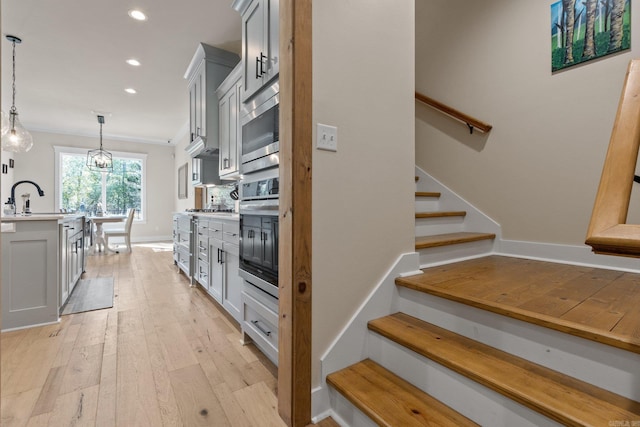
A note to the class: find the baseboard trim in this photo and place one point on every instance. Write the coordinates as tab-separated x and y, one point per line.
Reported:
565	254
349	344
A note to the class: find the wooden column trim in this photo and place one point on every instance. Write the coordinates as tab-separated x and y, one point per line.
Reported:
294	360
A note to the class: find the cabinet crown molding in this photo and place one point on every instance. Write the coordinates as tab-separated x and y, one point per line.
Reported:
240	5
211	54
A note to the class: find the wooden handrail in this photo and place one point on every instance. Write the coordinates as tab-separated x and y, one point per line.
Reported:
472	123
608	233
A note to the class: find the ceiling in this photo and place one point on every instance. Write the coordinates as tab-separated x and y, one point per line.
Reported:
71	66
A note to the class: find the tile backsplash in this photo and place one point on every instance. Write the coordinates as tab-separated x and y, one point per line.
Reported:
219	195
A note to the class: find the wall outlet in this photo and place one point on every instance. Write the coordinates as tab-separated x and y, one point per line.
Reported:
327	138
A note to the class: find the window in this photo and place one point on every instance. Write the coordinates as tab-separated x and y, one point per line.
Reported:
80	190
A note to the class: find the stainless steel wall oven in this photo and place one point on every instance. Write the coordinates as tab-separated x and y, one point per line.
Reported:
259	203
260	123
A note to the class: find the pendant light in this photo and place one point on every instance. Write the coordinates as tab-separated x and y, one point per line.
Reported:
15	137
100	160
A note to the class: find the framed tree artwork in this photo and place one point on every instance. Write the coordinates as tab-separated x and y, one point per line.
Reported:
584	30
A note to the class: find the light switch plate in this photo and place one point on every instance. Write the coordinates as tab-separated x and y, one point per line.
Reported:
327	138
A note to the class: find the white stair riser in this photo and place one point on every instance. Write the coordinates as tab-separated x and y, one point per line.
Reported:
441	254
345	414
431	226
426	204
604	366
482	405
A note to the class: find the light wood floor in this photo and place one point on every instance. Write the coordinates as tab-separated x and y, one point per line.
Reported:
164	355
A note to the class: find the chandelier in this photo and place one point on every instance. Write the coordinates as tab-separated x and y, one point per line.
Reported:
100	160
15	137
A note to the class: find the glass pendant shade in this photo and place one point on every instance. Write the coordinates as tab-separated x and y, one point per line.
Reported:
100	160
16	139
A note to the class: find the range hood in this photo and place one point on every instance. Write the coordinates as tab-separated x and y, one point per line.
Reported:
198	148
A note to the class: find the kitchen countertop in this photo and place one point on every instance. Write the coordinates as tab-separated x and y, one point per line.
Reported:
221	215
38	217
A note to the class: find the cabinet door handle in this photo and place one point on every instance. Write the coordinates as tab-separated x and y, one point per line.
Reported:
258	75
218	256
195	177
193	136
262	61
197	131
225	163
260	328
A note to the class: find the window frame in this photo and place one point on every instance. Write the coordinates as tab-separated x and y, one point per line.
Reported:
62	150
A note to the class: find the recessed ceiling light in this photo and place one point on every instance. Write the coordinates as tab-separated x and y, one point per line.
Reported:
133	62
130	90
138	15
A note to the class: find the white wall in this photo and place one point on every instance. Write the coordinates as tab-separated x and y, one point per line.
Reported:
363	214
6	180
38	165
537	171
180	158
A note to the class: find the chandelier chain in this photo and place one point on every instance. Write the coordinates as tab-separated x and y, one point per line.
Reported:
13	102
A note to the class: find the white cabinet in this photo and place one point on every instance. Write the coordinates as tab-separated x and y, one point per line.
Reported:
182	242
217	269
229	104
208	68
201	248
216	242
260	43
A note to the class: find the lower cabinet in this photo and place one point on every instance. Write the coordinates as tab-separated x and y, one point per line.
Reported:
72	255
216	269
232	282
260	320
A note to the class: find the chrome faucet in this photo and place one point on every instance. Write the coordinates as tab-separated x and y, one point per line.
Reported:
12	199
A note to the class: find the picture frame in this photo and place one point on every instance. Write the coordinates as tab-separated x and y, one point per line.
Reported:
583	31
183	174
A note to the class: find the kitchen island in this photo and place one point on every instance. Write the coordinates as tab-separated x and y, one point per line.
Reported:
42	259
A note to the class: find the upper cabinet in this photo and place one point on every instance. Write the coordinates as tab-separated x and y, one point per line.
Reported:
229	103
260	43
208	68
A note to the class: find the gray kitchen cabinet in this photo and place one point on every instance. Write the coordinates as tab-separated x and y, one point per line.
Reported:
182	242
216	252
29	274
229	103
260	43
201	273
232	282
71	252
208	68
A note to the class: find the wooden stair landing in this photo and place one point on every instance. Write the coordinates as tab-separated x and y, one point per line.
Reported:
596	304
389	400
558	396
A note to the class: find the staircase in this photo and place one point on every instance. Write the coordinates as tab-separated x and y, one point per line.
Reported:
447	227
490	340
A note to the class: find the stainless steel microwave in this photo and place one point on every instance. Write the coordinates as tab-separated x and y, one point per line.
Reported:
261	130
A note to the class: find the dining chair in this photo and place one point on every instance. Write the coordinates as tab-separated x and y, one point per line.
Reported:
125	232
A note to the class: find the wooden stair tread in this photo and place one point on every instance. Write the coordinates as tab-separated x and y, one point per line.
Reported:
555	395
577	300
440	214
428	194
389	400
436	240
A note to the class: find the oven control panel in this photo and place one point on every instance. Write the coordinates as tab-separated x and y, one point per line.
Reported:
260	189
